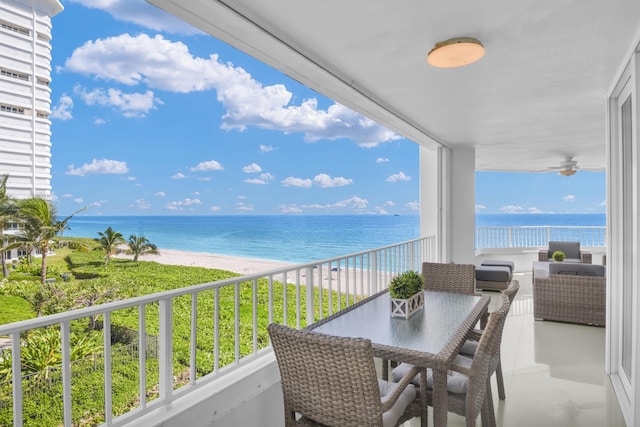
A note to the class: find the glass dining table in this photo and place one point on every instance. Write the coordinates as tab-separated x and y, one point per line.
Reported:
431	337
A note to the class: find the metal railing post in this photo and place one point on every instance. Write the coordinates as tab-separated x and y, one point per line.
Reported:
310	297
166	349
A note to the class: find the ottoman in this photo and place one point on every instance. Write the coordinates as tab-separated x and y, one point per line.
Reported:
494	277
499	264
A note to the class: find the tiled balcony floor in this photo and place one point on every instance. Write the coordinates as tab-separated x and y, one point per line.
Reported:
553	372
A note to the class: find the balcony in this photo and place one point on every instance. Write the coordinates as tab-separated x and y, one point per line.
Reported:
554	372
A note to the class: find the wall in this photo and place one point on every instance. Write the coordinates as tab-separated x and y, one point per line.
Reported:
247	396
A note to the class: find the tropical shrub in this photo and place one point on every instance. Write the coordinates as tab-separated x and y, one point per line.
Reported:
41	351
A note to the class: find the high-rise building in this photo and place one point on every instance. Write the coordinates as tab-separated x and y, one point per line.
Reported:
25	95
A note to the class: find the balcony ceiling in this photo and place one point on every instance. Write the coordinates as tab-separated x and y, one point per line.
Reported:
538	96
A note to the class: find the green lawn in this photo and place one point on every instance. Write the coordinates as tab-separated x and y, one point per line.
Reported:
14	309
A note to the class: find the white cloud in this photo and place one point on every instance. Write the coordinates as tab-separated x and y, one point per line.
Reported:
210	165
181	204
252	168
215	208
160	194
98	203
325	181
129	104
512	209
414	206
397	177
296	182
290	209
266	148
535	210
356	203
480	208
99	121
62	111
103	166
265	178
67	195
169	66
178	176
140	204
569	198
389	203
603	203
79	200
241	207
321	180
382	160
141	13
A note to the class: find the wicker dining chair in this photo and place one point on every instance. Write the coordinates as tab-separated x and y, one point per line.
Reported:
468	382
449	277
332	381
470	346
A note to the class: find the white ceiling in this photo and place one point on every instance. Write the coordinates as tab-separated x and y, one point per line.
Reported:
538	96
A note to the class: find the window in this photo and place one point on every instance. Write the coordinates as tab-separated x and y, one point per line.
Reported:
14	28
11	109
14	74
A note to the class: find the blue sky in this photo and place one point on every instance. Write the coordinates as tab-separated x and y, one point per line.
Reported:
152	117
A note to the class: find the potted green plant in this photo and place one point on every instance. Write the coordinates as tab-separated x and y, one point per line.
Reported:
558	256
407	294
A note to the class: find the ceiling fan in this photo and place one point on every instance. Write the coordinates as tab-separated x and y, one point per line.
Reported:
567	167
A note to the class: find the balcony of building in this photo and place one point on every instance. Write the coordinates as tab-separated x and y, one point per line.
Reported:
554	372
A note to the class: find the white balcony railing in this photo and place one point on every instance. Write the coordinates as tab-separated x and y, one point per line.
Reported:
537	236
297	295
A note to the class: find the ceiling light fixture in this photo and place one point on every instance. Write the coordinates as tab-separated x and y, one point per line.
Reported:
567	172
455	52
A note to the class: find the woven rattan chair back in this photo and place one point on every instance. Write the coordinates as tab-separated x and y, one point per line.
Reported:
330	380
512	290
483	364
453	278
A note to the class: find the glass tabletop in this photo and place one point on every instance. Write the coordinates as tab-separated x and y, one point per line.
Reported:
429	331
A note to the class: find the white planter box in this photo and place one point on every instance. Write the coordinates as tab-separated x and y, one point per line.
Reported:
406	307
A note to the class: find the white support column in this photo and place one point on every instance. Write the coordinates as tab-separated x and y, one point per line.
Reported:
462	207
431	221
447	202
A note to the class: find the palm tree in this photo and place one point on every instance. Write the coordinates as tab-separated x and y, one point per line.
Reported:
140	245
41	226
8	212
109	241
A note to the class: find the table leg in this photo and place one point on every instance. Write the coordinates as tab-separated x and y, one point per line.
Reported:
424	419
385	369
439	398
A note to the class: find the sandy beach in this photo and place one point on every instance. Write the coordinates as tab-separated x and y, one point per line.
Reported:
328	278
220	262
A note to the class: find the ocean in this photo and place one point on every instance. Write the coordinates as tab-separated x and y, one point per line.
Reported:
290	238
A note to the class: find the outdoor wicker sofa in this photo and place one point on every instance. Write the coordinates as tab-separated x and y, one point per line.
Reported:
571	293
571	250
